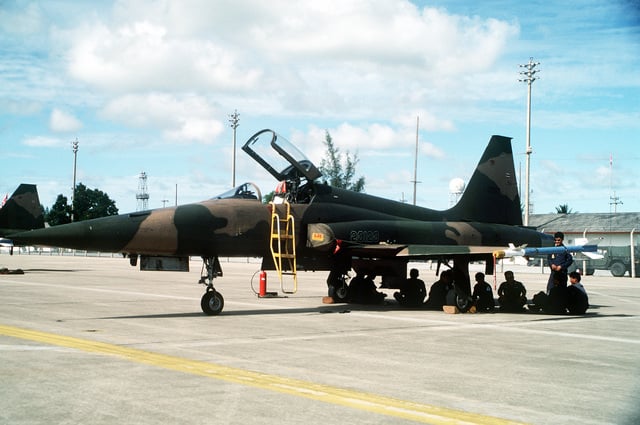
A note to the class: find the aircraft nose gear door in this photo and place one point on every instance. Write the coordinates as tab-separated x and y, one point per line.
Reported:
283	243
212	301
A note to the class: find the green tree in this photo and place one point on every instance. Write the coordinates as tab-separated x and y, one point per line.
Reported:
268	197
60	212
89	203
563	209
338	170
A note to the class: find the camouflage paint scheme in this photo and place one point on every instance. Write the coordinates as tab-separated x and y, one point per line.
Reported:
336	229
22	211
222	227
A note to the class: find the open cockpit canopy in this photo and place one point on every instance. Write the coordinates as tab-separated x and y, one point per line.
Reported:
280	157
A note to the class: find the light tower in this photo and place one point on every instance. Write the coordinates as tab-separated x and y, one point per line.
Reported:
74	148
415	162
234	119
529	78
142	196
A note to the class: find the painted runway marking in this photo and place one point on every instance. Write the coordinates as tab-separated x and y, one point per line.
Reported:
101	290
433	324
343	397
255	305
519	327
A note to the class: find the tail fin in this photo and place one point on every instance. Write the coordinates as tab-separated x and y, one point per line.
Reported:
492	193
22	211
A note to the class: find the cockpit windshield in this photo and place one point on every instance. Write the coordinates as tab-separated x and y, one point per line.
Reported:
244	191
279	157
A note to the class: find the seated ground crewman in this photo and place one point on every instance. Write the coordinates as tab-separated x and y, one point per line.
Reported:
577	299
412	292
482	294
512	295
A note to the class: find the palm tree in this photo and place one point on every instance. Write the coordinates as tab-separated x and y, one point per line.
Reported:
564	209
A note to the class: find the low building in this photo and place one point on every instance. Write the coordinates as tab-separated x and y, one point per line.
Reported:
607	229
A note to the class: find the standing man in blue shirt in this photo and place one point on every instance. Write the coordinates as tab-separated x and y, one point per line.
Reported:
559	263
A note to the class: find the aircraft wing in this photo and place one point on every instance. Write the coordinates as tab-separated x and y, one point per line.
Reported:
419	251
445	250
423	251
322	237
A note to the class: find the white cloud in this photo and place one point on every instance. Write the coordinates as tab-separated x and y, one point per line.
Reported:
301	57
182	119
373	140
42	142
602	174
347	138
393	33
63	122
21	22
432	151
196	129
145	56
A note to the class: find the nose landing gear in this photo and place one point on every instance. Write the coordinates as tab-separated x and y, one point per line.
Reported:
212	301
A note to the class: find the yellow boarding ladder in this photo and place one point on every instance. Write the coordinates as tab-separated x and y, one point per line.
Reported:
283	244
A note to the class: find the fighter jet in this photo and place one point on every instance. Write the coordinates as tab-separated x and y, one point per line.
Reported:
310	225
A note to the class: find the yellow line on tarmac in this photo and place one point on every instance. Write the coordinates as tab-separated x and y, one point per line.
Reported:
354	399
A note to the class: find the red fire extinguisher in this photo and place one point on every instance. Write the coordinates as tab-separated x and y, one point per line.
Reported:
263	284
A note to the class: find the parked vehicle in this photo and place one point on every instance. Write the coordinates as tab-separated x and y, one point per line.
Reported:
617	259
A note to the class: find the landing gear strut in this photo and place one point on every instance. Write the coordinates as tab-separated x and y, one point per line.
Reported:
212	301
337	285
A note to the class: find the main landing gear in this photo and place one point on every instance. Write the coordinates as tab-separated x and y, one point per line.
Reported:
212	301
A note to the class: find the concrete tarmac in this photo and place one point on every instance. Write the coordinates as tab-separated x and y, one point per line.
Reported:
94	340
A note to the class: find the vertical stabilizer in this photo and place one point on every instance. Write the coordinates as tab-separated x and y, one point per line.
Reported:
22	211
491	195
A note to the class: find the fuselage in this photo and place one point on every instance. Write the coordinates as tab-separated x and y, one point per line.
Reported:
241	227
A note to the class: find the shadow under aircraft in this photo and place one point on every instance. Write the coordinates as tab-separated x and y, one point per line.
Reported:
310	225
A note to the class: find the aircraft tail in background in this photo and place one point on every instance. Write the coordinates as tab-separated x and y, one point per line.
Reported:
492	193
22	211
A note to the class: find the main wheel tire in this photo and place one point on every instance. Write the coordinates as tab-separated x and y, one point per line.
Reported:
212	303
618	269
463	302
342	292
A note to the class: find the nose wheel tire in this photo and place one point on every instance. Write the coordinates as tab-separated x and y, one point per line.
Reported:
212	303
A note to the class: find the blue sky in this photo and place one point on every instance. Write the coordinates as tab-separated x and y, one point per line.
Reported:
149	86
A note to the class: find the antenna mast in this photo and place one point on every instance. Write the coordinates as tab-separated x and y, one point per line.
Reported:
142	196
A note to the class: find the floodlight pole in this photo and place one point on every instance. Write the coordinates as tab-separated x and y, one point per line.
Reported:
234	120
74	147
415	162
529	78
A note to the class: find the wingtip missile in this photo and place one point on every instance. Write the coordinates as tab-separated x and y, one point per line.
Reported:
524	251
